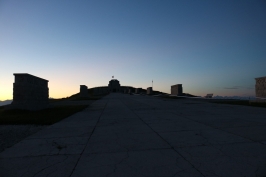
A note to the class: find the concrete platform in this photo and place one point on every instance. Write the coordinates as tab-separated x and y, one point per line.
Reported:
126	135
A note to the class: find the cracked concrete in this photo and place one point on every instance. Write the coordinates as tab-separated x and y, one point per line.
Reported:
126	135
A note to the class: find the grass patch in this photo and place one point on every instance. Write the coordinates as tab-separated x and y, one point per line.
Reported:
76	97
87	98
242	103
56	100
42	117
171	97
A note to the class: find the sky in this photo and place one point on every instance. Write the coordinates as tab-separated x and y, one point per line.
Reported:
208	46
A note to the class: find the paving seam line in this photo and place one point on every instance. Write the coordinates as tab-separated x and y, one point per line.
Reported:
219	129
164	140
206	125
88	139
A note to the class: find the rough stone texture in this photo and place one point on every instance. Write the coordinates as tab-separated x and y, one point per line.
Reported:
260	87
30	92
137	90
126	135
83	91
177	90
114	85
149	91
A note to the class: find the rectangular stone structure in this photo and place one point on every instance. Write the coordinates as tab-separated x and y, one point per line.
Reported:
149	91
209	95
83	91
29	92
137	90
260	87
177	90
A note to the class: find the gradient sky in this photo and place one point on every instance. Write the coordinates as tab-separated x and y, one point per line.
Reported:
208	46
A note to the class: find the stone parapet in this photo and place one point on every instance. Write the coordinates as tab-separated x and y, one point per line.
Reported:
100	90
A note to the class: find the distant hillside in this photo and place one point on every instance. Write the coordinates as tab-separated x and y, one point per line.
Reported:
5	102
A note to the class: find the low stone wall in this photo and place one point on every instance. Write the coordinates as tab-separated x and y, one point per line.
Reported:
30	92
100	90
258	101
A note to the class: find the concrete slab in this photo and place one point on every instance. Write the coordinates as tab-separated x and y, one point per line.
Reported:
126	135
122	142
255	133
201	138
52	166
181	126
51	146
232	160
135	163
126	128
65	132
119	121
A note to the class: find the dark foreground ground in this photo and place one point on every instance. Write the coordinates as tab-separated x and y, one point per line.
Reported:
130	135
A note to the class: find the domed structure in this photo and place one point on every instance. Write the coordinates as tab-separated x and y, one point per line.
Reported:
114	85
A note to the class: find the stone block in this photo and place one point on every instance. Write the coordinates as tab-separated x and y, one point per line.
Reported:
83	92
260	87
177	90
149	91
30	92
137	90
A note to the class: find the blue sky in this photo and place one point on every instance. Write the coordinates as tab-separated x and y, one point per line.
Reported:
208	46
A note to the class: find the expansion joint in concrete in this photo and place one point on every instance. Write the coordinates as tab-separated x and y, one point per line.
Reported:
88	140
165	140
220	129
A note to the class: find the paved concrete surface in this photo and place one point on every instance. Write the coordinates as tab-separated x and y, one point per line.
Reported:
126	135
